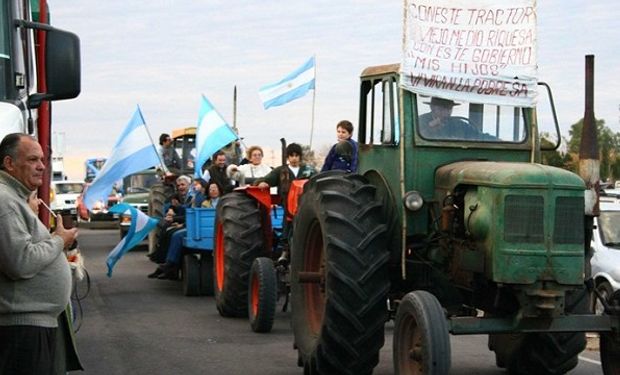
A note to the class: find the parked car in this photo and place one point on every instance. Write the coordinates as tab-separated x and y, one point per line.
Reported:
606	250
63	197
100	211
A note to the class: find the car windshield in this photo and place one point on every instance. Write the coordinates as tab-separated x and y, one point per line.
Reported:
443	119
609	228
69	188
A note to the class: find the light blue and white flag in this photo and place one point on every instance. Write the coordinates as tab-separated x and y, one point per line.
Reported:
292	87
212	134
133	152
141	225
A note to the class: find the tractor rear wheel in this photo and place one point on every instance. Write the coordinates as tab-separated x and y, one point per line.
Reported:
339	275
543	353
262	295
238	241
159	194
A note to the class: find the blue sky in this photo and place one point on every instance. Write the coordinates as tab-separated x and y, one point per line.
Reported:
163	54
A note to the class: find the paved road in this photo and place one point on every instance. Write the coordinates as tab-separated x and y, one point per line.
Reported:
134	325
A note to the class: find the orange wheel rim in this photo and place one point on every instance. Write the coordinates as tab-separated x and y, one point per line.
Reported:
219	257
314	293
255	295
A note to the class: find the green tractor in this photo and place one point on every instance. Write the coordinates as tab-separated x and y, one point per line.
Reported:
464	233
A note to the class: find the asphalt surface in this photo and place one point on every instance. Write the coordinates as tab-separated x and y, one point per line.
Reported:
135	325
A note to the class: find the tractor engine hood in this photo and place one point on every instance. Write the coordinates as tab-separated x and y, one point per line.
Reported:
505	175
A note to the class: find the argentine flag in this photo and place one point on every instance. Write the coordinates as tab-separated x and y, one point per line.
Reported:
291	87
133	152
212	133
141	225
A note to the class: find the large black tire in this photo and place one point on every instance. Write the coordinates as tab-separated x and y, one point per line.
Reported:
421	337
191	275
238	241
206	274
262	295
543	353
338	248
159	194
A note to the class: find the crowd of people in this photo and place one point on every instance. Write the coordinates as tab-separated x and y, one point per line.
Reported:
35	278
223	175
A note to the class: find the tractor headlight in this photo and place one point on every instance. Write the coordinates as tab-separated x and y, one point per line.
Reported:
413	200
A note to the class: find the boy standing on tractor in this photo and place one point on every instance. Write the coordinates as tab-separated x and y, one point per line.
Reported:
281	177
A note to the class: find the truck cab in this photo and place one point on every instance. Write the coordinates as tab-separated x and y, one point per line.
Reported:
21	88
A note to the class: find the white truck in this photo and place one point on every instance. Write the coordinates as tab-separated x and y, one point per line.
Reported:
28	83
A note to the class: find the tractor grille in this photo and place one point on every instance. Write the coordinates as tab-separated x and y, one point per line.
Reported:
568	220
524	216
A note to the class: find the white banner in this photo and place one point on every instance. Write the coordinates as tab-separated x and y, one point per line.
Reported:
481	51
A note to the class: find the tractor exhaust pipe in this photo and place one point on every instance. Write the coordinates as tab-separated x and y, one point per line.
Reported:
589	164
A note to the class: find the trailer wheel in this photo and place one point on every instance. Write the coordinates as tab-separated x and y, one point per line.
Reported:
262	294
610	343
543	353
159	194
206	274
238	241
421	337
339	277
191	275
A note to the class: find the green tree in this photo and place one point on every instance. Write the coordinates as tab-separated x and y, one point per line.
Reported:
608	145
554	157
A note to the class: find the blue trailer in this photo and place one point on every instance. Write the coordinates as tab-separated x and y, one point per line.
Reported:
198	244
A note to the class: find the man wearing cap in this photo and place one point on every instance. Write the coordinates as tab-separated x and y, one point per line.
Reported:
439	123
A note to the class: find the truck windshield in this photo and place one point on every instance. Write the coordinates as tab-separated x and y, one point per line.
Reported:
139	183
69	188
5	61
443	119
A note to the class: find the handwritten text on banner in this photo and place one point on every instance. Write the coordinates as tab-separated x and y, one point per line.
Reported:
472	50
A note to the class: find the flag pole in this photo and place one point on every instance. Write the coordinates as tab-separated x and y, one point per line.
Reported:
235	129
163	166
313	102
235	110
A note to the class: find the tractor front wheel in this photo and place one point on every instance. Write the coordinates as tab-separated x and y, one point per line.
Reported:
262	295
610	342
421	337
543	353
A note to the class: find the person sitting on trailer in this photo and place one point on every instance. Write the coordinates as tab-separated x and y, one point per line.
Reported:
217	172
170	269
173	218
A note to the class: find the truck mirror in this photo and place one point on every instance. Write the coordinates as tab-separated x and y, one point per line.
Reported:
62	65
